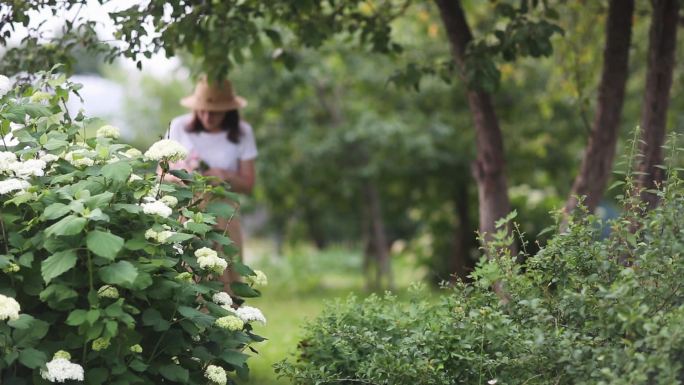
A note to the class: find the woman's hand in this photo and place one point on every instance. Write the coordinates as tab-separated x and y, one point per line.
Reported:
241	181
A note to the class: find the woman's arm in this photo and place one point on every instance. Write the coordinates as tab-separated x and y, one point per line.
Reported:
241	181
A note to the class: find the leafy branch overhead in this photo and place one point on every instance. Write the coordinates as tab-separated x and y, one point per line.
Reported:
221	34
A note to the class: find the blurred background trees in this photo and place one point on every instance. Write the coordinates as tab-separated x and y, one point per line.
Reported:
372	117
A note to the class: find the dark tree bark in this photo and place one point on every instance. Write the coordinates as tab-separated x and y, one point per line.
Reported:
378	235
489	167
661	57
460	263
597	163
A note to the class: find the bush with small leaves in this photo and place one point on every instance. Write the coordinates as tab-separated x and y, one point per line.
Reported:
583	310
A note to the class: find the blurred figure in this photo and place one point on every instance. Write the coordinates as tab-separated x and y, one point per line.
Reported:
219	144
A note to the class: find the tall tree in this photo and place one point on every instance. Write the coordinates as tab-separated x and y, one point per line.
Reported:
598	158
489	168
661	57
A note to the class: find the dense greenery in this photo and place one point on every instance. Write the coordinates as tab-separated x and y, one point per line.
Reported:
584	310
103	265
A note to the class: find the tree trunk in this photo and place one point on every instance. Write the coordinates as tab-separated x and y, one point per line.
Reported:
378	235
489	167
316	231
597	163
661	55
459	263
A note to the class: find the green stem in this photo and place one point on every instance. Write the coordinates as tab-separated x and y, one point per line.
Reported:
90	271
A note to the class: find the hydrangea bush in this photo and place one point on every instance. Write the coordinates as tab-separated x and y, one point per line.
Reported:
584	310
108	276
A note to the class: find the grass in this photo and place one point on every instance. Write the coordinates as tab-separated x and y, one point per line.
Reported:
300	282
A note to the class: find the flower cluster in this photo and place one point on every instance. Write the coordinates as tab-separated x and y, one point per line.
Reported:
230	322
159	236
79	158
166	149
101	344
169	200
136	348
258	279
155	207
5	85
222	299
61	370
209	260
216	374
108	291
10	165
248	313
9	308
108	131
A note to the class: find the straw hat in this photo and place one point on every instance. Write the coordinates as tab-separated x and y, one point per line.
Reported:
213	97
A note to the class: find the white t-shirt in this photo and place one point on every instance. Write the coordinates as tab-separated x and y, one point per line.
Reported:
214	148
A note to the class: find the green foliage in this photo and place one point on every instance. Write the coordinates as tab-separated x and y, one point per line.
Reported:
584	310
96	271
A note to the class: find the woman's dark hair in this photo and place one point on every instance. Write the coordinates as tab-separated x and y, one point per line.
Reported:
230	124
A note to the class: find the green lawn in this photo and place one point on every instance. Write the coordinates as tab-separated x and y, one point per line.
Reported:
299	284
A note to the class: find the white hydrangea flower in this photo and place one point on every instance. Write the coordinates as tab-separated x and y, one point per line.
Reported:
205	252
40	97
215	264
156	208
134	177
162	236
209	260
108	131
108	291
259	279
79	158
222	298
151	234
169	200
48	158
9	308
61	370
179	248
230	322
5	85
248	313
166	149
133	153
13	184
216	374
28	168
7	161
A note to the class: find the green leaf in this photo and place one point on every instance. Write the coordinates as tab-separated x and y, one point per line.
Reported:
32	358
118	172
99	200
120	273
199	318
244	290
70	225
104	244
57	264
179	237
234	357
220	209
76	317
152	317
174	372
131	208
23	322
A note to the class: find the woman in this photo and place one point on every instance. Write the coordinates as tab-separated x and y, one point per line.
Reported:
216	138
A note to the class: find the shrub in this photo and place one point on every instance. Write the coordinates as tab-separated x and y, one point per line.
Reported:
105	272
583	310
